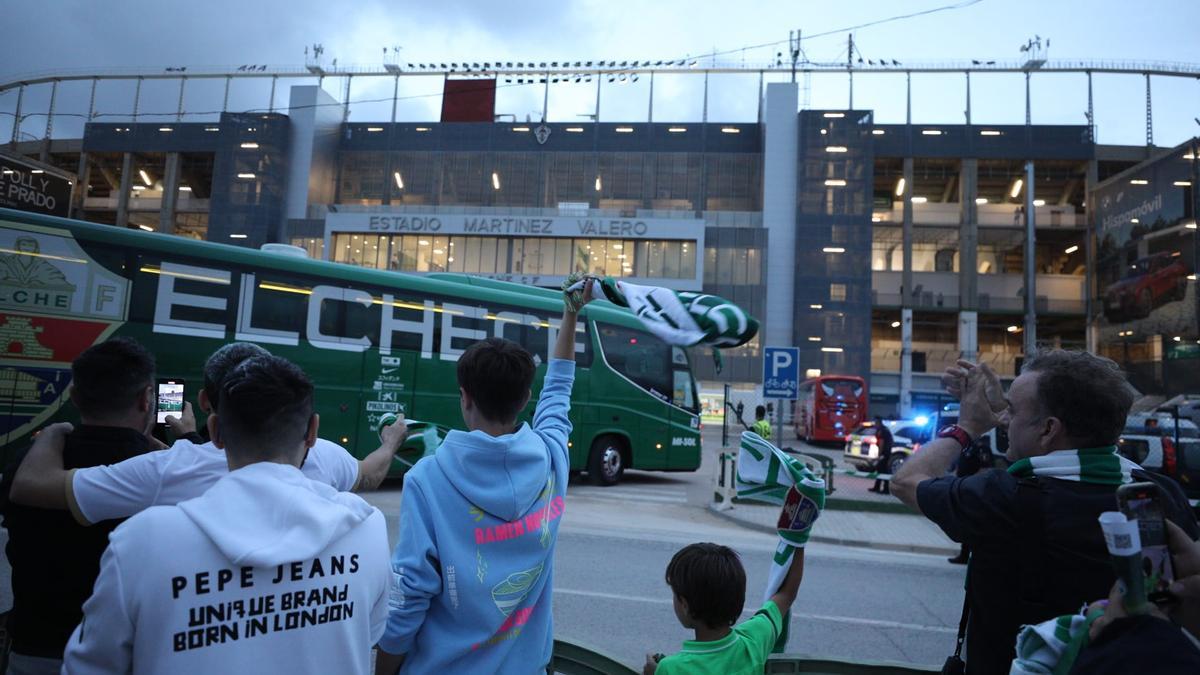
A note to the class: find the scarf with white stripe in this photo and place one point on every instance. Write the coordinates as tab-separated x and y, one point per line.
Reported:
766	473
679	318
1101	466
1052	646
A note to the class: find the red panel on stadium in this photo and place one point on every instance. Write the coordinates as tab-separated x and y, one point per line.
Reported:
469	101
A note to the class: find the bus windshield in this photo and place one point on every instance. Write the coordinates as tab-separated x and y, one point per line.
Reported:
842	390
650	363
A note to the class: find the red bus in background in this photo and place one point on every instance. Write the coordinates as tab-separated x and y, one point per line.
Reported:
829	407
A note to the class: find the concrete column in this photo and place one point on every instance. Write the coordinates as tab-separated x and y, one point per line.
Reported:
1089	253
315	124
906	277
1030	264
968	335
906	325
968	236
906	293
170	197
84	176
126	184
780	166
968	266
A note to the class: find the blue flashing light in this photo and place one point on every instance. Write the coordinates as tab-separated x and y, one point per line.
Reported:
921	420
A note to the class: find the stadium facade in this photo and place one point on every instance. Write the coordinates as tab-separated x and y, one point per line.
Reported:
842	235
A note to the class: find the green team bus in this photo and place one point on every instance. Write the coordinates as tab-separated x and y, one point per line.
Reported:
373	341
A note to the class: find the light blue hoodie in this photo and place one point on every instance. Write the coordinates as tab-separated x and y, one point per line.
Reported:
473	567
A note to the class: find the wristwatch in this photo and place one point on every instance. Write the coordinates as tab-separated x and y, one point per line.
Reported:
956	432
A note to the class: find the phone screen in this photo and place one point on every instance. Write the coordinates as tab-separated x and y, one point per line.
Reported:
1145	506
170	399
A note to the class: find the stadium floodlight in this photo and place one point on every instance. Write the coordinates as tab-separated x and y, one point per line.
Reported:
1016	188
900	187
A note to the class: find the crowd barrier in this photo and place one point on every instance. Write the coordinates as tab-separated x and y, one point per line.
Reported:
573	659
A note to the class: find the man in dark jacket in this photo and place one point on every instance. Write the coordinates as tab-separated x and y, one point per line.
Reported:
1037	550
883	437
54	559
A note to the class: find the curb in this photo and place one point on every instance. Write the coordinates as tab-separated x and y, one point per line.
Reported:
863	505
841	541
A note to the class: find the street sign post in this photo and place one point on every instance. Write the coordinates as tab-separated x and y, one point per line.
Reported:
781	380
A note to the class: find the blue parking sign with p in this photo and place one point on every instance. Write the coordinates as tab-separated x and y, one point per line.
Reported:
781	372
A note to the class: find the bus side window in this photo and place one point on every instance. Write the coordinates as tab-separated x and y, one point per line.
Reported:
213	294
280	307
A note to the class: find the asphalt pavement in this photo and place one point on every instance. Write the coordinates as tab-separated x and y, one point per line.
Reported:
613	549
856	602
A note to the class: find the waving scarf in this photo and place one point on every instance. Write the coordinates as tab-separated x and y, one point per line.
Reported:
766	473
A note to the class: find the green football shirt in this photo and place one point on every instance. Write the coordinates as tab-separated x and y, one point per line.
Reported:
743	652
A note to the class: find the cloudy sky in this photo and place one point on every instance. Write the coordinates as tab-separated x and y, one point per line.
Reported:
78	35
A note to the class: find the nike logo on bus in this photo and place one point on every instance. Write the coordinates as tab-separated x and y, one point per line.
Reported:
385	371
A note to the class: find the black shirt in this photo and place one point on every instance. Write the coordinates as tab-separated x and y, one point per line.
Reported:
1139	644
1037	550
54	559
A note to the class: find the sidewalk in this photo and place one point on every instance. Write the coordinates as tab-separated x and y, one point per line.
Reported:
887	531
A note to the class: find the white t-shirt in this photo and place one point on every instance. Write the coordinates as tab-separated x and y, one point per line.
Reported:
183	471
267	572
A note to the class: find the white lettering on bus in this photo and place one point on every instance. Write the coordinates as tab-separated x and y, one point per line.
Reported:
450	331
389	324
247	331
316	304
168	298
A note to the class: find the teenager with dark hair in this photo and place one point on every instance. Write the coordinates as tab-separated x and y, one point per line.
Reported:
267	567
479	520
54	559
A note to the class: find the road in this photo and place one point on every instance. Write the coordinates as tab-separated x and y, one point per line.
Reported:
614	545
613	549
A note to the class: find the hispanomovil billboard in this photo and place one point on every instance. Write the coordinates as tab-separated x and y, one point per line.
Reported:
1146	250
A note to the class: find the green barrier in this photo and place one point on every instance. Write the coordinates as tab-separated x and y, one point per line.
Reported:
573	659
815	665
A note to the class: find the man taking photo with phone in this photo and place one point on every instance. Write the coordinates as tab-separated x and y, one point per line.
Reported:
1037	548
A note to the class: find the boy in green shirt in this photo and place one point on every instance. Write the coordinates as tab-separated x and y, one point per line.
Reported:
709	585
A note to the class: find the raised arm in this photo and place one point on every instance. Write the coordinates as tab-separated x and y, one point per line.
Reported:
41	480
373	468
983	401
786	595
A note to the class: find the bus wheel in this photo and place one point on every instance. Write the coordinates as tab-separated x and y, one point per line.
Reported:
606	462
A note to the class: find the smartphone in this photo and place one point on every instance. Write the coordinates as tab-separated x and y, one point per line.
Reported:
1143	502
170	399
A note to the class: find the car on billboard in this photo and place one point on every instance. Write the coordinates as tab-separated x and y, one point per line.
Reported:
1148	283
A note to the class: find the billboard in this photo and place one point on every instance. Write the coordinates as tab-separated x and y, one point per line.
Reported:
27	186
1145	265
469	100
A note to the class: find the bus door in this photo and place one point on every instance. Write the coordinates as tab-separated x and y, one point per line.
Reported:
685	411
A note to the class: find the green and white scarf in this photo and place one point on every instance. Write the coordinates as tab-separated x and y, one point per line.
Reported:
766	473
1101	466
1051	647
679	318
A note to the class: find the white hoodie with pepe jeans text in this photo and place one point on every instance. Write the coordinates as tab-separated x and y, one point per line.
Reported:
267	572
